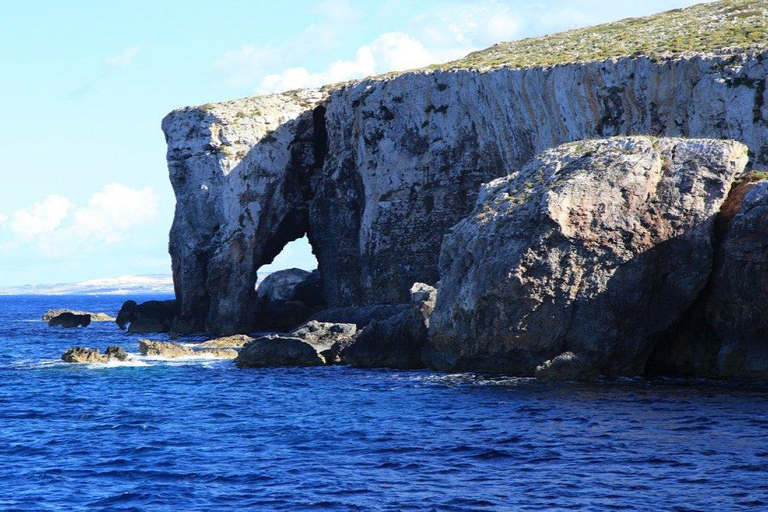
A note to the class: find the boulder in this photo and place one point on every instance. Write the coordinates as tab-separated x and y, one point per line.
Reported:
398	341
153	316
281	285
359	315
115	352
95	317
277	351
310	291
328	339
85	355
70	320
595	248
164	349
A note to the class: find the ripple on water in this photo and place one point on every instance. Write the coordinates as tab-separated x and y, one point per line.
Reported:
200	434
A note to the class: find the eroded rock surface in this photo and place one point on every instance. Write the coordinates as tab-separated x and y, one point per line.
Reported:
376	172
594	248
328	339
725	334
85	355
278	351
241	172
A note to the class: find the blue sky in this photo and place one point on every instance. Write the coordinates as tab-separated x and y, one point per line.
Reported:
85	84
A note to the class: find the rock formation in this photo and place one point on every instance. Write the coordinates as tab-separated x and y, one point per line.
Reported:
85	355
70	320
397	341
404	159
726	333
170	350
153	316
328	339
594	248
95	317
278	351
376	172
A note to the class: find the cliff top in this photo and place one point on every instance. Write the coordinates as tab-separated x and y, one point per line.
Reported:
701	28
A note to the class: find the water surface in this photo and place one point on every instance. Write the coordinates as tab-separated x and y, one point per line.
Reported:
201	435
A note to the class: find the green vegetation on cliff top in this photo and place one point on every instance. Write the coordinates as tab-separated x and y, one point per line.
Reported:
701	28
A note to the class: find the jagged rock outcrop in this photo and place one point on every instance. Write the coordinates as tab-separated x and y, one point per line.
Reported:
85	355
152	316
70	320
170	350
164	349
95	317
243	173
278	351
403	160
328	339
725	334
594	248
398	341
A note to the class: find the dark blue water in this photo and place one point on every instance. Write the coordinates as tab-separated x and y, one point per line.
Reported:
204	435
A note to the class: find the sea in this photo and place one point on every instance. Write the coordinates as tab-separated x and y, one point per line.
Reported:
201	434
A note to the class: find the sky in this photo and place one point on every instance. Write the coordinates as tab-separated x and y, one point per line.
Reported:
85	191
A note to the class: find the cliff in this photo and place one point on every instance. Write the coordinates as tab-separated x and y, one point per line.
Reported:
376	172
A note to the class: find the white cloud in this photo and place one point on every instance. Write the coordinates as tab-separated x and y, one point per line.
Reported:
244	65
124	57
41	218
113	210
393	51
3	219
56	226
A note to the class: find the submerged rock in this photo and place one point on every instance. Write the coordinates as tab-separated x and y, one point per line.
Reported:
70	320
95	317
595	248
278	351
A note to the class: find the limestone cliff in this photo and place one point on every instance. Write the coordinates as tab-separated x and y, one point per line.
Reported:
593	249
376	172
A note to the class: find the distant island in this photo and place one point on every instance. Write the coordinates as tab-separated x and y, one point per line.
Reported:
123	285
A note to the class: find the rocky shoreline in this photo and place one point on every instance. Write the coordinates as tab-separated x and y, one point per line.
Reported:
564	221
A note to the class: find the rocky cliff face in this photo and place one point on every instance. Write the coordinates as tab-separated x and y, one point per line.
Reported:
593	249
242	174
404	160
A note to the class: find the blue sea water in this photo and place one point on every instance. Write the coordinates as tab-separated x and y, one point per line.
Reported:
204	435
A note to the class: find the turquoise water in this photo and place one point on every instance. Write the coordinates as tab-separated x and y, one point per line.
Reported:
203	435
